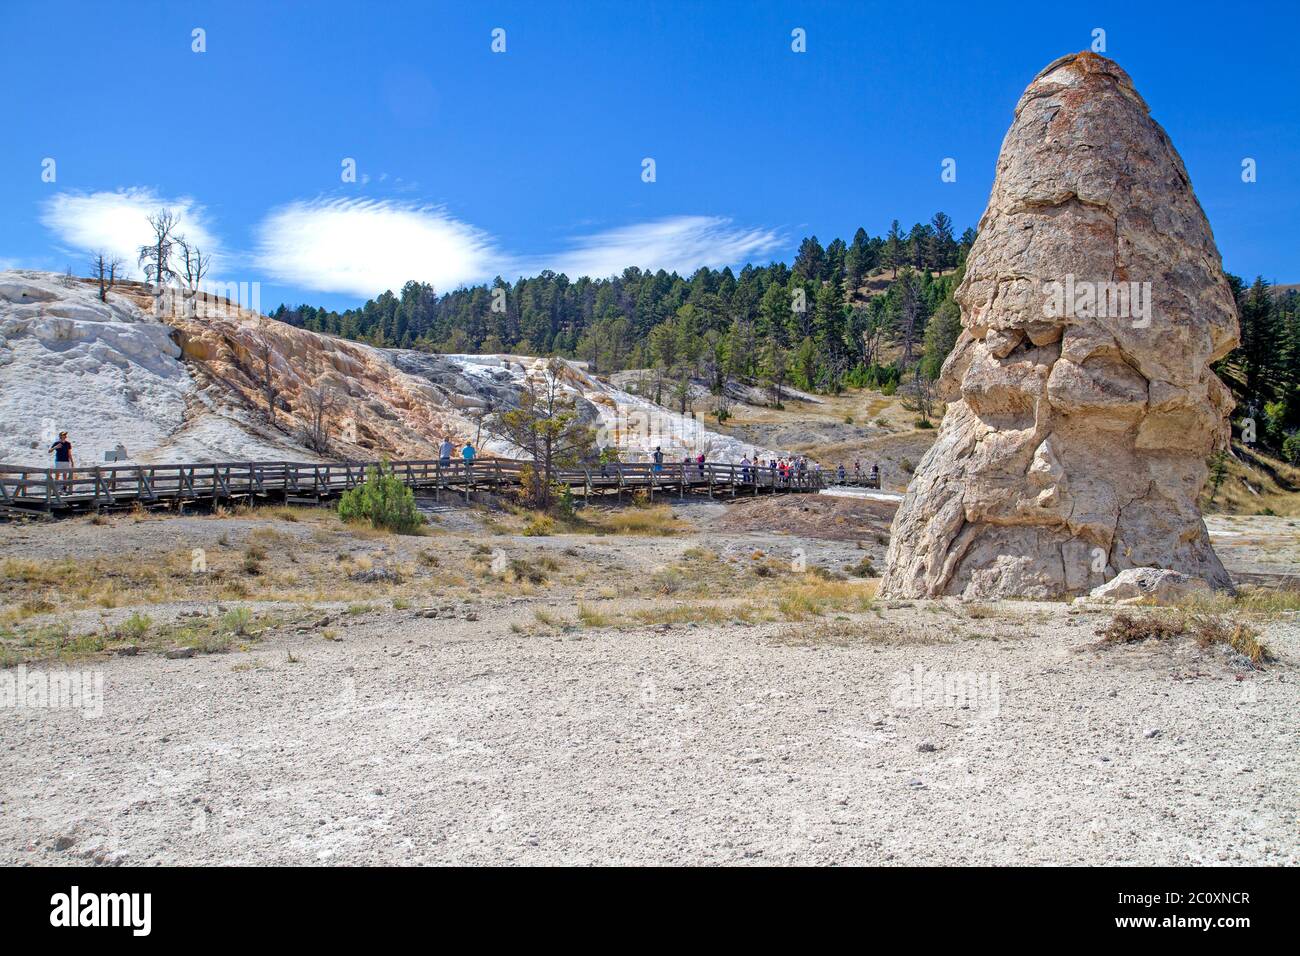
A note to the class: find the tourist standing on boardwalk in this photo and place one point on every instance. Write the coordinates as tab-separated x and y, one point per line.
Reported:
62	450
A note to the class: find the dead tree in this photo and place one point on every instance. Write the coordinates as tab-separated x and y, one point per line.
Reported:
263	353
104	269
919	395
194	266
155	257
320	402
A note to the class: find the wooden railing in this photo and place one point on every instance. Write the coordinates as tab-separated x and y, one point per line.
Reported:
49	489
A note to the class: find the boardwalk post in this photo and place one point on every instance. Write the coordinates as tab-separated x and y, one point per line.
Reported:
619	465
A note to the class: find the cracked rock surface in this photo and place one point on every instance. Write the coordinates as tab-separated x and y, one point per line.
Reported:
1083	407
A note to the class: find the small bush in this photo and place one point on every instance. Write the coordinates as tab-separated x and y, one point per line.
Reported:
539	526
523	570
135	627
863	569
590	617
236	620
667	581
384	501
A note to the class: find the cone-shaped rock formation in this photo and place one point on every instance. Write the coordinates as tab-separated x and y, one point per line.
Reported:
1083	406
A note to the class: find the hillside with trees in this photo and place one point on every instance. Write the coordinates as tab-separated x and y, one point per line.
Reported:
873	311
822	323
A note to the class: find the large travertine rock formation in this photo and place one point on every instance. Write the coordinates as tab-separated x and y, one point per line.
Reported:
1083	407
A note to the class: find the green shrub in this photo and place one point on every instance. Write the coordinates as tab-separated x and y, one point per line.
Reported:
1291	448
384	501
135	627
236	620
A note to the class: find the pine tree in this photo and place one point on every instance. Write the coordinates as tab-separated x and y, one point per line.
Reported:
893	252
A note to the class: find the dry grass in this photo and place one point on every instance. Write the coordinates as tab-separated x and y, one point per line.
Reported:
813	596
208	634
687	614
588	616
656	521
842	632
1207	630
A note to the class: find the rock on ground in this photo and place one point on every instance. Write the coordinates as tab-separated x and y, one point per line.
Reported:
1157	585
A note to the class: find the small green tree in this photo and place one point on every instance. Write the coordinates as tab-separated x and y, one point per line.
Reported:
1291	448
383	500
1218	471
546	427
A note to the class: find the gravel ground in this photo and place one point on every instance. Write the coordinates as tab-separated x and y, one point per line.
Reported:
431	741
415	740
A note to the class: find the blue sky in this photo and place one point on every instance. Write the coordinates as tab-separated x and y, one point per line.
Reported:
471	163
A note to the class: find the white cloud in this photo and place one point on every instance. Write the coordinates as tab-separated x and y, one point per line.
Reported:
117	222
364	246
679	244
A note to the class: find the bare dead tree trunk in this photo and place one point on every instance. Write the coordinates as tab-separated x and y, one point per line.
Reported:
262	351
319	404
103	269
194	266
155	257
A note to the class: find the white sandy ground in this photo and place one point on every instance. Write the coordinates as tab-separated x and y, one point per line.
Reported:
420	742
454	740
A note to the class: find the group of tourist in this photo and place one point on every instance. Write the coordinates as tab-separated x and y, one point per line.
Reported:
447	449
787	470
873	476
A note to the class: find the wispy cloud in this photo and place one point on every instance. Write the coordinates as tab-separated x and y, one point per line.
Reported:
364	246
117	222
678	244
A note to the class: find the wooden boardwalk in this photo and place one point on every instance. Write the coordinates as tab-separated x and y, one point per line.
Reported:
26	491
